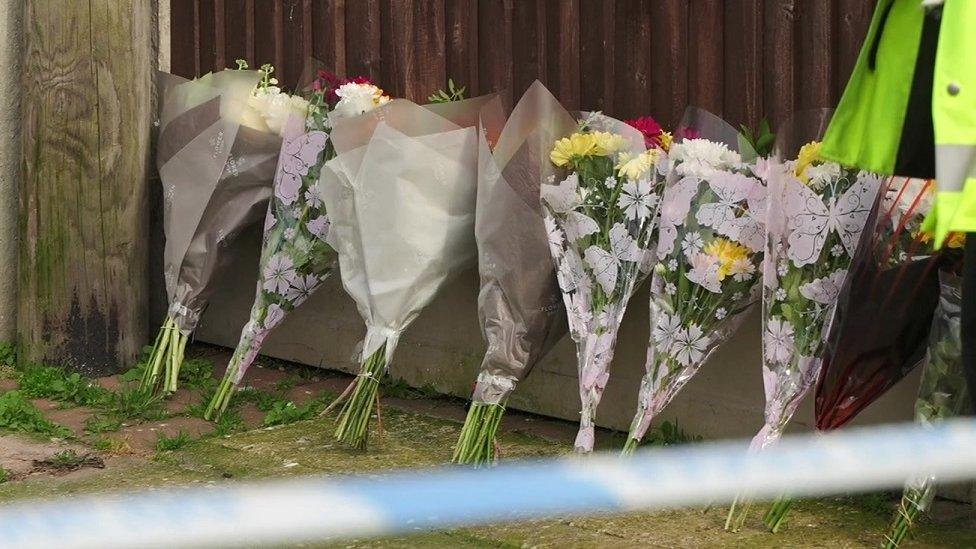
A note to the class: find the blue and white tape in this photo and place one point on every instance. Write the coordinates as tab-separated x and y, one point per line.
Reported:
319	509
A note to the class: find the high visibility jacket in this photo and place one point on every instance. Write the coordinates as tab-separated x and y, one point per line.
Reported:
910	106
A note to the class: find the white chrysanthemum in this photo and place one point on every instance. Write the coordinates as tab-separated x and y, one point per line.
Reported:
275	108
821	174
702	157
356	99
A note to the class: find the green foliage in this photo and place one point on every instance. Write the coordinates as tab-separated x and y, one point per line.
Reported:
761	141
102	423
134	402
8	354
65	459
282	413
19	414
197	373
453	93
668	434
37	381
170	444
4	475
229	422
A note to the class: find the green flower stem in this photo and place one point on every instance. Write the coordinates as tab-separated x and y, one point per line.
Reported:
630	446
155	362
476	444
225	391
908	510
776	516
353	427
737	514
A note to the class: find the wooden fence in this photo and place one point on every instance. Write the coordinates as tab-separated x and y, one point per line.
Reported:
743	59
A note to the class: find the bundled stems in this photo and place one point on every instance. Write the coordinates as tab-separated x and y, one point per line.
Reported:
225	390
353	427
905	517
630	446
776	516
165	358
737	514
476	445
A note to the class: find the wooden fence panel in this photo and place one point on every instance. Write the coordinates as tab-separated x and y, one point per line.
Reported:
742	59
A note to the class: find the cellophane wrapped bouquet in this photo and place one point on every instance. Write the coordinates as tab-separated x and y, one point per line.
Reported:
295	256
598	216
884	314
401	199
217	151
817	210
942	394
519	305
711	236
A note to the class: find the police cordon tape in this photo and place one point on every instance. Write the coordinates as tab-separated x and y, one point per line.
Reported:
322	509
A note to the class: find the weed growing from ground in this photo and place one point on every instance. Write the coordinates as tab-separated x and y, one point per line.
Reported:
19	414
69	460
38	381
170	444
282	413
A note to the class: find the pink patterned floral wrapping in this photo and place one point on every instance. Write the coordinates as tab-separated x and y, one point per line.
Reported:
709	251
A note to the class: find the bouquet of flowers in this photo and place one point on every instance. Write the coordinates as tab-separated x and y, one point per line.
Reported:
519	303
216	155
942	394
709	251
883	317
599	219
817	210
402	209
295	257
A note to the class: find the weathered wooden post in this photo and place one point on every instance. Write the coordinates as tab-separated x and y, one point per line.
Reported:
83	197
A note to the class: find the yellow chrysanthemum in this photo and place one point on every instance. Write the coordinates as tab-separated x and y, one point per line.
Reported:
727	253
666	139
809	154
956	240
576	145
634	167
608	143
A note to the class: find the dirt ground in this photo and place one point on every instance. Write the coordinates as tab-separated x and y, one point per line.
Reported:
418	431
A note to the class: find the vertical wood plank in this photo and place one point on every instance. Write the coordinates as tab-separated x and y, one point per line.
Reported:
266	21
816	49
853	20
220	36
743	103
563	55
495	62
779	86
669	62
206	23
417	46
329	34
235	32
528	45
363	39
83	296
292	43
183	52
461	48
705	32
632	58
597	56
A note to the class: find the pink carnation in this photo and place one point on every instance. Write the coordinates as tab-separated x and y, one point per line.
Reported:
650	129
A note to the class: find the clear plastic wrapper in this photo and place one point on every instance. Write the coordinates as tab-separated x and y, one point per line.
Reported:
216	172
402	205
709	257
295	254
519	304
943	393
599	209
884	313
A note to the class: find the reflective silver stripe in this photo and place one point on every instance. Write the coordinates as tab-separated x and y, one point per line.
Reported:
953	165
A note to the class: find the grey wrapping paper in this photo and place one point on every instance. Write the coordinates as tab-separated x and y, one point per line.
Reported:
216	177
519	303
401	199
